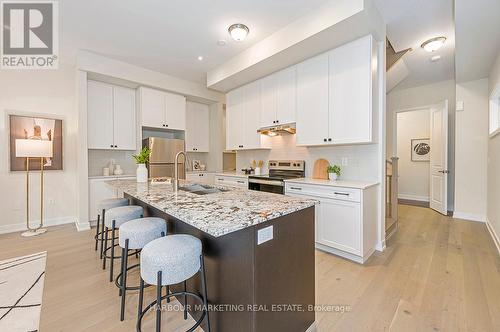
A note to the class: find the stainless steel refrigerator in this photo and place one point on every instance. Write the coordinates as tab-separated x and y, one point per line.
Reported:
162	158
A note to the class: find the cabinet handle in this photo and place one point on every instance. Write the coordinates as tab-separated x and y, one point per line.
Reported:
111	145
343	194
296	188
277	121
240	181
324	139
219	179
329	140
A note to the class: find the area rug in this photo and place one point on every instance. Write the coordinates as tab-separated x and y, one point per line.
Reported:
21	289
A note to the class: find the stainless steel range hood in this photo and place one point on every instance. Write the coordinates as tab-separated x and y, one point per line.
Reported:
285	129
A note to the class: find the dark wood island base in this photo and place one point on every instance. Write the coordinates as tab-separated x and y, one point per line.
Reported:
255	287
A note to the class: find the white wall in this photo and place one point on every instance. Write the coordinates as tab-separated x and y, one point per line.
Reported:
418	97
471	150
45	93
493	212
413	175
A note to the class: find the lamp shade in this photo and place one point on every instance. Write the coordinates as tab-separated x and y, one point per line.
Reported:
33	148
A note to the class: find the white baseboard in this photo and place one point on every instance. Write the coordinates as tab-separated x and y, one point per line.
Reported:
493	234
414	197
82	226
469	216
46	223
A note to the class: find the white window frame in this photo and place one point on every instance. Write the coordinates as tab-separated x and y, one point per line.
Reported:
494	112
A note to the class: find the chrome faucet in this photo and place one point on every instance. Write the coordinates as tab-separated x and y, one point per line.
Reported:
175	182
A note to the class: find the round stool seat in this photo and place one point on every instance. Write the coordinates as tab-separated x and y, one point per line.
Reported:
140	232
176	256
110	203
122	214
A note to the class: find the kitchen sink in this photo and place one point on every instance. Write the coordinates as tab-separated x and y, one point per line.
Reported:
201	189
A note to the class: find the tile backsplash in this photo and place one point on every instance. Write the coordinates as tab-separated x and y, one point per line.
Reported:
360	158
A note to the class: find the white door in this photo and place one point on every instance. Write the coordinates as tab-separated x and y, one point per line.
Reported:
251	96
176	111
312	101
350	103
439	158
100	115
124	132
286	95
268	101
234	119
152	108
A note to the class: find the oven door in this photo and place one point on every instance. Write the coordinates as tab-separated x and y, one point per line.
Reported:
270	186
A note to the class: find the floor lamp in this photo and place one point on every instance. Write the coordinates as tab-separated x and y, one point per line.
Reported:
33	148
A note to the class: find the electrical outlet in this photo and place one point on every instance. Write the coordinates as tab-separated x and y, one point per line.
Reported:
264	235
345	161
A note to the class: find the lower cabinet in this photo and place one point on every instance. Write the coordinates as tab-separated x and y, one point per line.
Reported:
346	218
234	181
201	177
99	190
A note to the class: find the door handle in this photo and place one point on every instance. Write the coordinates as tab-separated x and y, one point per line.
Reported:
444	171
343	194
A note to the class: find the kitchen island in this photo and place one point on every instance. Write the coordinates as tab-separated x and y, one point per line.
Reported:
258	247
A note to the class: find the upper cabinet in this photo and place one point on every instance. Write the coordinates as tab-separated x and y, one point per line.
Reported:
334	96
197	127
278	98
243	111
111	112
162	109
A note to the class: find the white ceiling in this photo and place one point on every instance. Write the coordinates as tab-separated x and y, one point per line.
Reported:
409	24
168	36
478	37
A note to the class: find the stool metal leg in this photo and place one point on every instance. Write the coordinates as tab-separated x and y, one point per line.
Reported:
105	246
158	302
185	301
97	231
102	231
141	297
112	251
124	279
204	289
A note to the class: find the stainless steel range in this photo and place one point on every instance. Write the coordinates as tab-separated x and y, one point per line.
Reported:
279	170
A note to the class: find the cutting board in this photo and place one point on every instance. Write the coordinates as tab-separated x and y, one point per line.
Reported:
320	169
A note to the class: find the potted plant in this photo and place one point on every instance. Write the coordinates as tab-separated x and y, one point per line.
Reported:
141	159
333	172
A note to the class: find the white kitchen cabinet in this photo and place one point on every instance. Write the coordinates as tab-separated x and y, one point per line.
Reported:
201	177
312	101
197	127
243	118
334	96
345	218
278	98
161	109
111	117
234	181
350	92
98	191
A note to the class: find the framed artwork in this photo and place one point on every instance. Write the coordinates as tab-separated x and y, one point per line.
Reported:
420	149
34	127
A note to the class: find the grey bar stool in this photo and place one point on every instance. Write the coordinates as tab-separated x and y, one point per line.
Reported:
115	217
105	205
135	234
170	260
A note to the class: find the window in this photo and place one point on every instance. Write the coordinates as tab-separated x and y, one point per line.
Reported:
495	111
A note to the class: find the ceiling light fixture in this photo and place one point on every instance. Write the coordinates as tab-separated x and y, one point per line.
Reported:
238	31
433	44
200	58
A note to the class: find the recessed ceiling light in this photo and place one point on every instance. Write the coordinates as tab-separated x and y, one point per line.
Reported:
433	44
222	42
435	58
200	58
238	31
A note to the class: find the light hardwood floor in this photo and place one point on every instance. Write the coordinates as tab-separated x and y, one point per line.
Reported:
437	274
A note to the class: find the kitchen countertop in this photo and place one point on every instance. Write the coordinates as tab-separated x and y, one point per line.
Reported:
112	176
218	213
338	183
236	174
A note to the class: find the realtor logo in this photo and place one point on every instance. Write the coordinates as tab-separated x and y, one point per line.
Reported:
29	35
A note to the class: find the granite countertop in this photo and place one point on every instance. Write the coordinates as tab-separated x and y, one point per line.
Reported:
218	213
337	183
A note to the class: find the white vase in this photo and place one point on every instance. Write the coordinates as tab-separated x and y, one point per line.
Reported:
141	173
333	176
257	170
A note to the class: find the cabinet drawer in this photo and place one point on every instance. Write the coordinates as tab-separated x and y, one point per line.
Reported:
345	194
231	181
